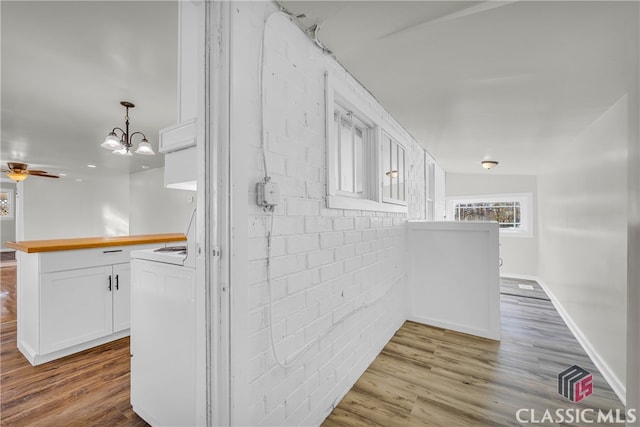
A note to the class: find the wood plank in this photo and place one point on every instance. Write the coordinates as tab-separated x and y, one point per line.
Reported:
34	246
343	418
432	413
374	410
385	391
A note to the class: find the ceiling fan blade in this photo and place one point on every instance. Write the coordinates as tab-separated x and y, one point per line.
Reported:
44	175
21	169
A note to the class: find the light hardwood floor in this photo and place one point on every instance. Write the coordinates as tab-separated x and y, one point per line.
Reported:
425	376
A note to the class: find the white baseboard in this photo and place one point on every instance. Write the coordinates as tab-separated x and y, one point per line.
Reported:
484	333
520	277
614	382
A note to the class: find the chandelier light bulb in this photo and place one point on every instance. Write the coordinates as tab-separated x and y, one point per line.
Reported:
111	142
124	151
145	148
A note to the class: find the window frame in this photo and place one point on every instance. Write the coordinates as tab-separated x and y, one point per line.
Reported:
367	145
430	187
339	93
384	169
526	210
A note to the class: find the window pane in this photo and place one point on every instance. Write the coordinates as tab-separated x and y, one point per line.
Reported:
346	156
358	153
430	175
336	150
507	214
4	204
386	168
394	169
401	177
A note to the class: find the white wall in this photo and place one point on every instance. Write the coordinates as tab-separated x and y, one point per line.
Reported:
112	206
583	238
65	208
325	262
156	209
519	254
452	261
8	225
633	267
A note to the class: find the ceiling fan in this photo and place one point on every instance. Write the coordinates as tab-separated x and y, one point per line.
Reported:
19	172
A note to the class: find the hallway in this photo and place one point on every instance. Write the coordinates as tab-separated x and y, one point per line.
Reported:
427	376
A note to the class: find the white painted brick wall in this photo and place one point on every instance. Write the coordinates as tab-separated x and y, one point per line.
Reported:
339	278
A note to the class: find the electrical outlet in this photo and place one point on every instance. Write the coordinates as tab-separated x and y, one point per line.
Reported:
267	193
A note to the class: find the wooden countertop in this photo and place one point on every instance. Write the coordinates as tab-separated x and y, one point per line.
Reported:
33	246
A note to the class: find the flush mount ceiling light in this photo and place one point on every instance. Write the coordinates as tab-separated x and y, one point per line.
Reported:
122	145
489	164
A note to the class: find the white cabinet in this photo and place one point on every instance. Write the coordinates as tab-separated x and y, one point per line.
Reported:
76	306
84	304
72	300
178	142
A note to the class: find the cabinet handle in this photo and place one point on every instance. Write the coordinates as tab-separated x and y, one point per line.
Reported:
117	282
112	251
109	283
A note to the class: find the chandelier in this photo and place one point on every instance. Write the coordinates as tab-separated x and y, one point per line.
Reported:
122	144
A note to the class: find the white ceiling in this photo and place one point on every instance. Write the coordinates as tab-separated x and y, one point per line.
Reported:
65	68
506	80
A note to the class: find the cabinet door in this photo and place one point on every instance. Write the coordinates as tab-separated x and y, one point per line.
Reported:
121	296
76	307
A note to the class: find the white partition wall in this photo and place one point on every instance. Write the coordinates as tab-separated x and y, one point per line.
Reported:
454	280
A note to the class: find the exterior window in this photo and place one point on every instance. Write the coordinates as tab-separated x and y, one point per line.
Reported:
507	214
393	171
513	212
351	143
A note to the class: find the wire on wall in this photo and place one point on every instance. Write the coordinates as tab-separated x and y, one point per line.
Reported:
293	358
